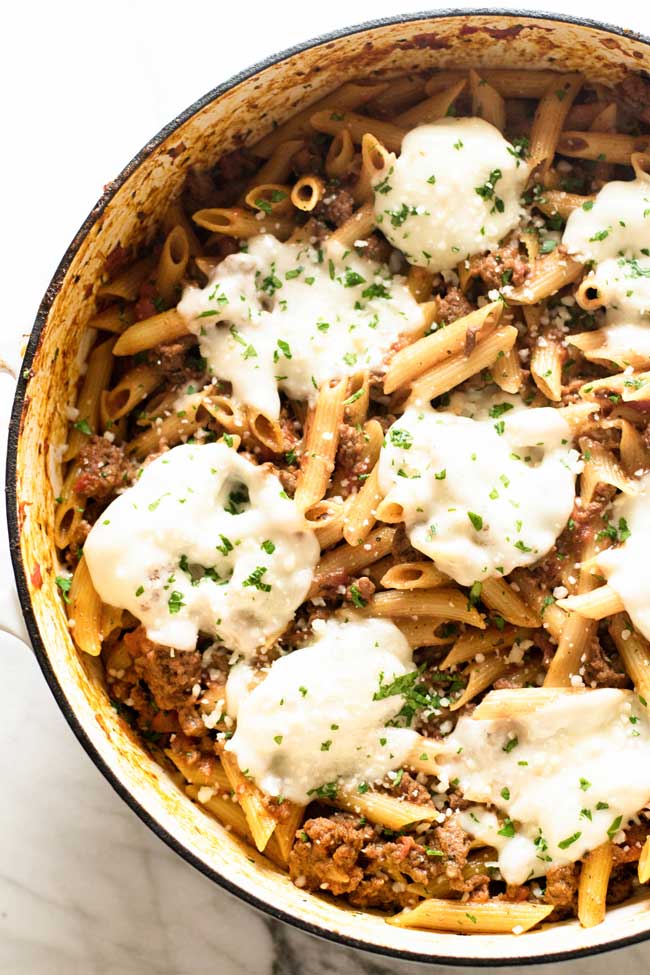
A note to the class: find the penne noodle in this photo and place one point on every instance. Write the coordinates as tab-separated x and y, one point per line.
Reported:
360	517
498	595
420	283
271	199
518	702
552	110
444	604
135	386
471	643
546	363
240	223
374	161
487	102
172	264
602	146
359	226
469	917
387	810
126	285
481	675
644	862
175	216
457	368
422	632
594	605
332	121
279	165
548	275
592	890
267	430
307	193
144	335
96	378
634	651
340	155
116	318
321	442
431	109
347	560
413	575
507	372
349	96
563	204
260	822
85	612
509	82
415	359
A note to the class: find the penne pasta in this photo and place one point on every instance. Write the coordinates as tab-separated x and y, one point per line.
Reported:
321	441
260	822
85	612
601	146
149	332
443	603
592	890
552	110
467	917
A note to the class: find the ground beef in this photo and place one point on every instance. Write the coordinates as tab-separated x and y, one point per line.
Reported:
360	589
169	678
634	95
149	302
454	305
390	869
562	887
234	166
408	788
191	722
377	249
455	843
598	666
629	850
326	853
309	159
352	458
103	468
199	190
336	206
504	266
77	541
174	361
199	755
621	884
401	549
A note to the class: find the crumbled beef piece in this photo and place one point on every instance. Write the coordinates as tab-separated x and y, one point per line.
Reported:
454	305
516	894
503	266
333	581
598	668
223	246
77	541
191	722
169	678
309	159
359	591
562	887
336	206
352	458
406	787
173	360
390	869
377	249
634	94
401	549
584	523
455	843
103	468
326	853
629	850
621	884
288	479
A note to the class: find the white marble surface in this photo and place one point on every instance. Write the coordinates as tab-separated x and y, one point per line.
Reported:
85	888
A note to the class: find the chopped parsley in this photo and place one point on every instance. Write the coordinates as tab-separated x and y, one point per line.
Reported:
255	580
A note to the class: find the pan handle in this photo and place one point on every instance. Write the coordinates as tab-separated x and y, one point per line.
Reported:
11	617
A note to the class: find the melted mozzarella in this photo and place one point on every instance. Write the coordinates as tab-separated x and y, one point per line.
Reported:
614	234
204	542
567	776
314	721
284	317
453	192
481	494
625	567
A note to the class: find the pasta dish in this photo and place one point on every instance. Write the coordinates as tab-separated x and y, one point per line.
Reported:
355	496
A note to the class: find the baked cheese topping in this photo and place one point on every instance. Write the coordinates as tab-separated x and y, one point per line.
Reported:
287	317
624	567
480	494
613	232
204	542
317	722
454	191
564	778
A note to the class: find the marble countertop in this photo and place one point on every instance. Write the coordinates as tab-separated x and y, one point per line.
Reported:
85	888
